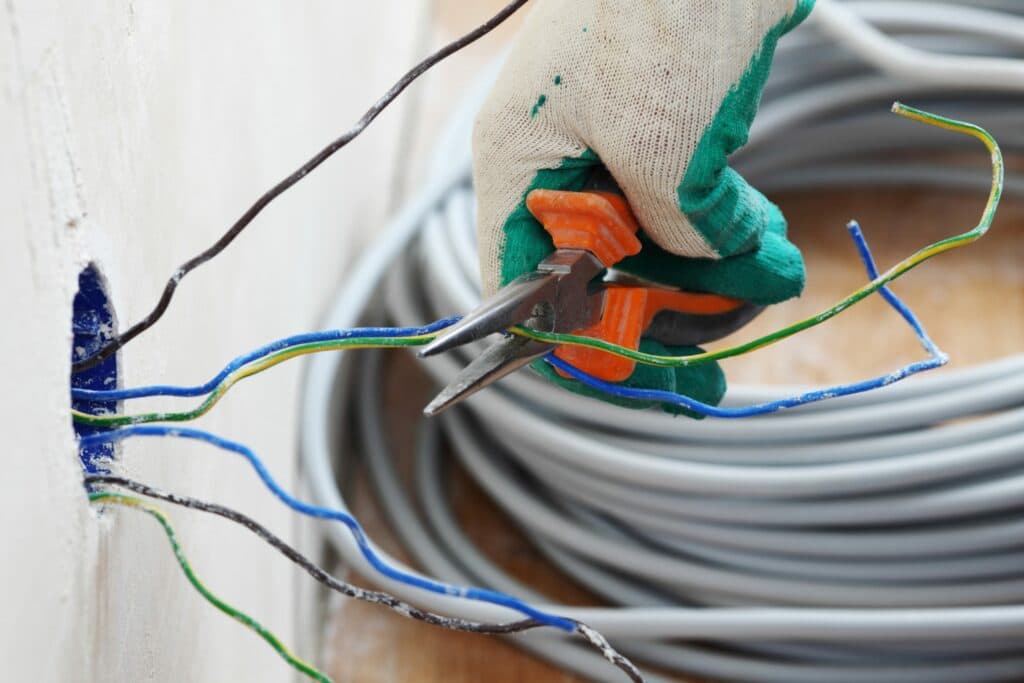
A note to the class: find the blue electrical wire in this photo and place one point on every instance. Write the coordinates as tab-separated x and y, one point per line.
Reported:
938	359
348	520
696	406
256	354
869	264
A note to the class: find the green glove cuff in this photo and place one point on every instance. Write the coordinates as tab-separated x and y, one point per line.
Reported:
705	382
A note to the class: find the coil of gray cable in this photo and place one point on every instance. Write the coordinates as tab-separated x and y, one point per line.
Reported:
866	538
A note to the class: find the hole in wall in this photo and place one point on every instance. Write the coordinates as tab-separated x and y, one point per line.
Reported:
93	323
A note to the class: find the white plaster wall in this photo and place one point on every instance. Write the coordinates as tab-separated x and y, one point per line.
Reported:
132	133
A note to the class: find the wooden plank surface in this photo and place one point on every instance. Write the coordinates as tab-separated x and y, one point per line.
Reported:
972	301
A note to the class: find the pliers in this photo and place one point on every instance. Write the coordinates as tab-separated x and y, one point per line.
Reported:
573	291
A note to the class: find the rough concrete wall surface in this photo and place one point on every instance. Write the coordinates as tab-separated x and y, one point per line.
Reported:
132	133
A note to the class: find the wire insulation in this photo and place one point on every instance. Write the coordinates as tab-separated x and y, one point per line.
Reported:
877	283
253	368
273	193
319	512
256	354
401	608
937	360
186	567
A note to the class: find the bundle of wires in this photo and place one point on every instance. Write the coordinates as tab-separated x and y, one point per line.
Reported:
873	537
282	350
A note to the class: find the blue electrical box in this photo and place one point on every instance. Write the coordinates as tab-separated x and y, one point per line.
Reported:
92	325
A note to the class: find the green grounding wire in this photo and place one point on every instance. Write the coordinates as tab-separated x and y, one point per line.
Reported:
247	371
882	280
186	567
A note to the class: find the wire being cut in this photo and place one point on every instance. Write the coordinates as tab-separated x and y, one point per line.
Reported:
366	334
255	362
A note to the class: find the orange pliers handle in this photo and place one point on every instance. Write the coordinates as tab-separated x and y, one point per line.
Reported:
603	224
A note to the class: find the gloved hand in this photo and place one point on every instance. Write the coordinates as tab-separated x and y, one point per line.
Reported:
661	92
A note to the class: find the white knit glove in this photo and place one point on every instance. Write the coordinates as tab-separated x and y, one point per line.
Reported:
660	92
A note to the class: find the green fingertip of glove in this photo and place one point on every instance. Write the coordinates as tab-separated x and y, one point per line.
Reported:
731	215
705	382
772	273
740	224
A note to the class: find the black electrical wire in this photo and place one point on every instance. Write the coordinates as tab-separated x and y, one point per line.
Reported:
375	597
118	342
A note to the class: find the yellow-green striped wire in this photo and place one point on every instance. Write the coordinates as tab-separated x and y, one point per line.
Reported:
186	567
885	278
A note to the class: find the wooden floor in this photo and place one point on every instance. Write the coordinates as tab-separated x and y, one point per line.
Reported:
972	302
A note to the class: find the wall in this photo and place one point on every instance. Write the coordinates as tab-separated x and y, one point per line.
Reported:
132	134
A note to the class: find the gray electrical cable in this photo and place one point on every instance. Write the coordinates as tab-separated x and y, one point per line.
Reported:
874	537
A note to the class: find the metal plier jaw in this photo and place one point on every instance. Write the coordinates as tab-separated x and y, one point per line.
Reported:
561	295
567	294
